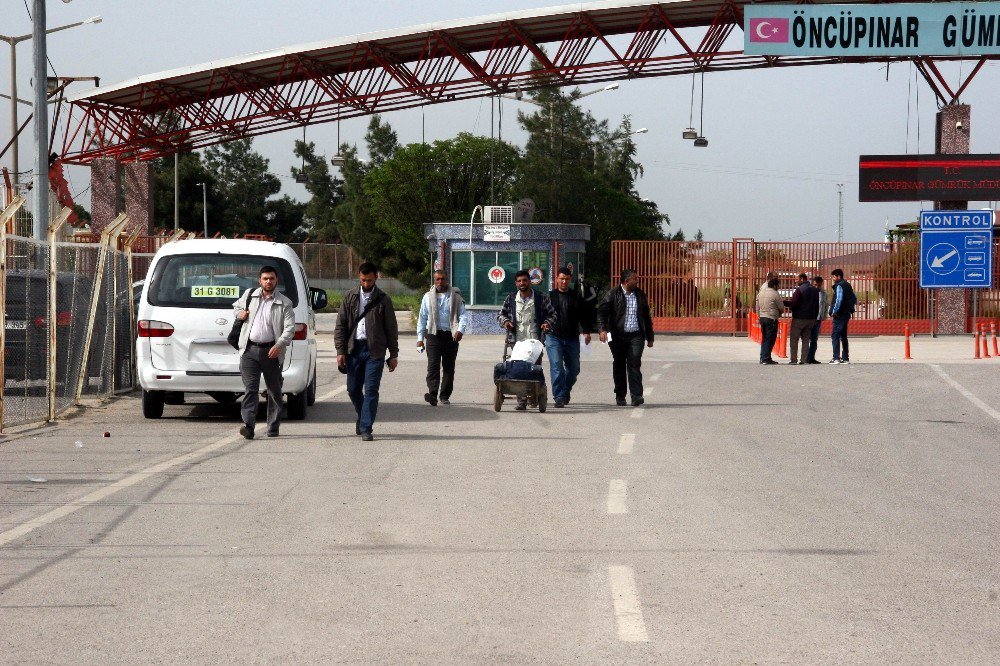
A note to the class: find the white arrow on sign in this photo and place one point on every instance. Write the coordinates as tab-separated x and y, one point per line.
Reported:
939	261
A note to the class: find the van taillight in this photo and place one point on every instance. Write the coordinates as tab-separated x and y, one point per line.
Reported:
149	328
300	332
62	319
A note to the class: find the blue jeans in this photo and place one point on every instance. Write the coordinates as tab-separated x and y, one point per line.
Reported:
364	374
768	336
840	337
564	364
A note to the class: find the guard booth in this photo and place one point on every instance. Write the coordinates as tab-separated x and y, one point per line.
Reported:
482	258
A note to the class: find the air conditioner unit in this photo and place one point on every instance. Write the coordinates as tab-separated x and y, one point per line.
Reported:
498	214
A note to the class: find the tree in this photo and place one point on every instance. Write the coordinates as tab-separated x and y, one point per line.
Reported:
579	171
285	218
191	171
423	183
325	192
352	217
243	184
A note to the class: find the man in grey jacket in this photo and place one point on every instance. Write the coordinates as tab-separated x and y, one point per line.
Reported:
268	329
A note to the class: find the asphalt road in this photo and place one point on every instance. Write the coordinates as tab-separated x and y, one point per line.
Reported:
745	514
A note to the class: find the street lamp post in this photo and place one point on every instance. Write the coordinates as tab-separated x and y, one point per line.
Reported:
204	205
12	42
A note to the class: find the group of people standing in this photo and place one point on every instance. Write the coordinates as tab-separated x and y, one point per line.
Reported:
810	305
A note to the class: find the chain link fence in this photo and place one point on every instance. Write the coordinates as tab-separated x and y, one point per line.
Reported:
324	261
68	321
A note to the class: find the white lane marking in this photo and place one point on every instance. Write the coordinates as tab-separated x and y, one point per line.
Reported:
617	490
628	610
666	366
102	493
637	412
655	378
968	394
340	389
626	443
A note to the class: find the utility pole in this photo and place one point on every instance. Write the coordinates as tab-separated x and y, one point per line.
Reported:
40	214
177	212
840	212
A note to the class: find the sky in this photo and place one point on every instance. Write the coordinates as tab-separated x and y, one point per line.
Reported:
780	141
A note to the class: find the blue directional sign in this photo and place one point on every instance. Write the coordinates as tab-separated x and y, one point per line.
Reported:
956	248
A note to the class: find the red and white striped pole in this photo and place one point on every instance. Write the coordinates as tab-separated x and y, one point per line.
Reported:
993	334
986	349
906	342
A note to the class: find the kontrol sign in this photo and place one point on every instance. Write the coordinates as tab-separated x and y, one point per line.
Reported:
929	178
910	29
956	248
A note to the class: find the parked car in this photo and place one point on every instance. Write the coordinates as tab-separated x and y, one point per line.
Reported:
26	322
185	313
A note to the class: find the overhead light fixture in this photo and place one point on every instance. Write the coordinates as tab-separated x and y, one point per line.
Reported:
338	159
700	141
691	132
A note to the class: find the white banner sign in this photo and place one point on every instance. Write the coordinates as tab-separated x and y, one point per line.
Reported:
496	233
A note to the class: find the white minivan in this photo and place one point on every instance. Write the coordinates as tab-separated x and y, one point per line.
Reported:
185	314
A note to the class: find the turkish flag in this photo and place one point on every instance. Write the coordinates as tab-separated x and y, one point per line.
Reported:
771	30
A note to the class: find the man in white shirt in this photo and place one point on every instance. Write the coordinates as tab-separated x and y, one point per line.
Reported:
269	329
440	327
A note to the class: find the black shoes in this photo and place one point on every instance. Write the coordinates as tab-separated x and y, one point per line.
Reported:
814	362
620	402
246	432
793	363
636	402
769	362
445	401
521	406
366	437
431	400
357	427
560	403
272	433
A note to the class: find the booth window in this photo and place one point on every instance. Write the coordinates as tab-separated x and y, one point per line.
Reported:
472	275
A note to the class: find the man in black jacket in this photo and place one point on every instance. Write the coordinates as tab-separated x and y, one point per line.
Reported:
805	312
624	314
573	315
362	343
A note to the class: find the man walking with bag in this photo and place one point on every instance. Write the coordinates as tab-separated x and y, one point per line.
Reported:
366	329
573	316
268	328
440	327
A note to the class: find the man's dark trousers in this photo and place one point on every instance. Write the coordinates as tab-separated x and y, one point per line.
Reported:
442	350
813	341
253	363
840	337
626	349
364	375
769	335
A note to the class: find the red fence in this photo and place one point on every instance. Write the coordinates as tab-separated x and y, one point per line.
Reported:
711	287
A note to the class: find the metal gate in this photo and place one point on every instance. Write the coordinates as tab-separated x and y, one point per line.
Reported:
710	287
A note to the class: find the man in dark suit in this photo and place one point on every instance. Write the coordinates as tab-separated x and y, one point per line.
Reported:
624	314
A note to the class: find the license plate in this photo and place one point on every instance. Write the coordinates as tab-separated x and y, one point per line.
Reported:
215	291
14	325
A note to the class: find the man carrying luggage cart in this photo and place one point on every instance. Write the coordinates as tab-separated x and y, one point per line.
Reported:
526	315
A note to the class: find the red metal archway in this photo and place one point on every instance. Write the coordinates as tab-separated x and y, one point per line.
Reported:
278	90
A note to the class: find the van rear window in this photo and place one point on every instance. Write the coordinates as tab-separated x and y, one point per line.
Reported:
214	280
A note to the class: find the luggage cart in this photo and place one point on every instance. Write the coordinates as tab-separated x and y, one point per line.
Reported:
532	390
